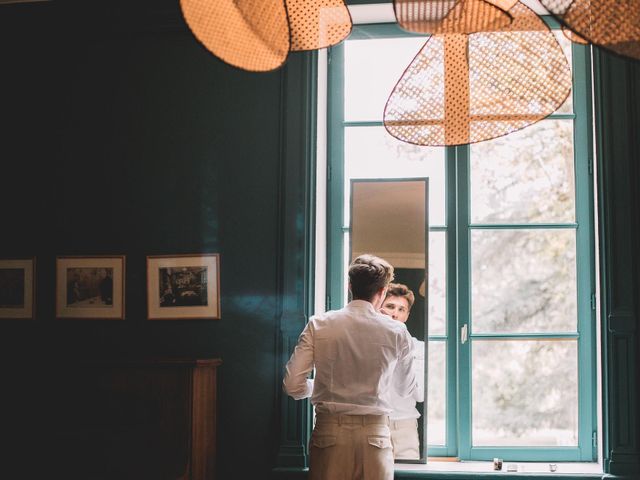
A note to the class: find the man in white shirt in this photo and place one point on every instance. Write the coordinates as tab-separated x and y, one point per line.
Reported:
404	417
359	356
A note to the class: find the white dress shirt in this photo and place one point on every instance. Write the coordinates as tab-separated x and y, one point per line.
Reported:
360	355
405	407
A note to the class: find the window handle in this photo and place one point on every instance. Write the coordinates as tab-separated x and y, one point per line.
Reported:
464	334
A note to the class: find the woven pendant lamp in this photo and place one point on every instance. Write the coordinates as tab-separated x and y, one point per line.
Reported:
463	88
318	24
452	16
610	24
257	35
248	34
505	5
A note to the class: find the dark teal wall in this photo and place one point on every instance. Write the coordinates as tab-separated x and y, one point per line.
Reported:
120	134
617	120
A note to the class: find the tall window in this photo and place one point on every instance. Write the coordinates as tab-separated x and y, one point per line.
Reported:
511	258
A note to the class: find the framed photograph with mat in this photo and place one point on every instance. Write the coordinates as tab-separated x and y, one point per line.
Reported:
17	288
181	287
90	287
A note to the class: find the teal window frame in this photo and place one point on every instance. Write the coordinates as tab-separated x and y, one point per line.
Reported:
458	229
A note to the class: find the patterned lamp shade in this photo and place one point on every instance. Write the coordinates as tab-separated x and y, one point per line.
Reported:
452	16
465	88
317	24
257	35
610	24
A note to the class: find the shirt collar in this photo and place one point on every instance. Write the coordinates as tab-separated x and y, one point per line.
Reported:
362	304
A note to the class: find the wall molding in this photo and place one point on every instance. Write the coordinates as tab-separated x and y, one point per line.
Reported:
616	95
296	227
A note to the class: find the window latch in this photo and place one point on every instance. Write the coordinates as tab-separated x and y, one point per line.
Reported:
464	334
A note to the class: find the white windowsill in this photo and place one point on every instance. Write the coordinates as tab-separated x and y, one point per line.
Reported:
487	467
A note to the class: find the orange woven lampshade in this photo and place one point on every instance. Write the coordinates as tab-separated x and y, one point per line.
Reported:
249	34
611	24
257	35
317	24
505	5
468	88
450	16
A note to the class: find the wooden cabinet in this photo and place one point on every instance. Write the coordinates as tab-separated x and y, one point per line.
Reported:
152	419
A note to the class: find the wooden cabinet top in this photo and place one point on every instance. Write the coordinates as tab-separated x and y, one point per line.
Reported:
147	362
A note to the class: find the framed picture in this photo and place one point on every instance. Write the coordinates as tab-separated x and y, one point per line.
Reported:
17	288
183	287
90	287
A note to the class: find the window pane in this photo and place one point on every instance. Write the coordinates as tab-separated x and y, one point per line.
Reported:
383	60
523	281
370	152
437	283
436	393
525	177
525	393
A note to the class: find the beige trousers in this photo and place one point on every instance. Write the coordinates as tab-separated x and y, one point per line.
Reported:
404	436
350	447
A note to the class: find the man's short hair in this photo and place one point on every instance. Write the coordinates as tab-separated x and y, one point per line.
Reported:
367	275
401	290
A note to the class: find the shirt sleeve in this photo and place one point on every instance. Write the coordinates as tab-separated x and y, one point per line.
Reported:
418	366
405	382
296	382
